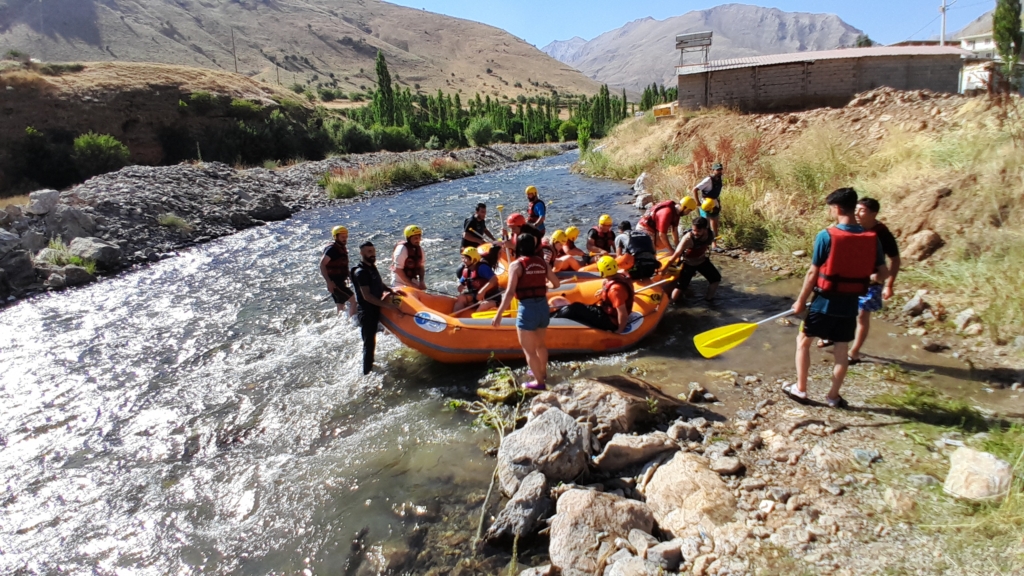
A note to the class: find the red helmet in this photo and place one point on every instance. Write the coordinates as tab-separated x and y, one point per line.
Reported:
516	219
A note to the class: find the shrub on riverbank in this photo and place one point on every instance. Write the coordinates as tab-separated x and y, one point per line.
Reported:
349	182
60	255
780	167
96	154
535	153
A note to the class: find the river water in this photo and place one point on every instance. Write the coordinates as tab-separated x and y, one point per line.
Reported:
207	414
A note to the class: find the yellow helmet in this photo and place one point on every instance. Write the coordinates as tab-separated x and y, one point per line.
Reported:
412	230
472	252
607	266
688	203
531	190
559	236
605	220
338	230
708	204
572	233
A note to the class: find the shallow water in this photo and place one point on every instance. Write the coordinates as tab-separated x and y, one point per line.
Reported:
206	414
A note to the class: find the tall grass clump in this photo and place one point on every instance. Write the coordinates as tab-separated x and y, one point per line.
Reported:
174	221
60	255
535	154
350	182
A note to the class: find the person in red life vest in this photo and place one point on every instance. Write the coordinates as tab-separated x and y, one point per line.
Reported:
661	219
693	251
528	279
559	260
536	210
710	188
601	238
570	249
867	217
477	283
516	227
612	311
846	260
408	264
334	267
475	228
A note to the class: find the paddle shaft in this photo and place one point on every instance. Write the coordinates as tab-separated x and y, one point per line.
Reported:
471	306
776	317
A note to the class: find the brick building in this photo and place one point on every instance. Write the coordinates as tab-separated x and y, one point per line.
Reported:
824	78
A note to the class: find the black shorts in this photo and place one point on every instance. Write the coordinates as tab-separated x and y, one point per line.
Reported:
470	243
834	328
588	315
706	269
343	293
644	269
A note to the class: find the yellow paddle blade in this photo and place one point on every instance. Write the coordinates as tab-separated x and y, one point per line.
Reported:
714	342
512	309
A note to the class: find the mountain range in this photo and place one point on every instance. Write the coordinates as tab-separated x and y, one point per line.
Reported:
330	42
644	51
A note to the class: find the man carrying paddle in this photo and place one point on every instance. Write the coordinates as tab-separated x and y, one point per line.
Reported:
847	259
334	267
475	228
370	291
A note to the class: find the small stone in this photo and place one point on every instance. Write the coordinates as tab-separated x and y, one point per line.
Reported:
866	457
666	555
978	476
779	494
974	330
964	319
751	484
832	489
683	432
641	541
727	465
800	253
916	332
701	564
915	306
922	480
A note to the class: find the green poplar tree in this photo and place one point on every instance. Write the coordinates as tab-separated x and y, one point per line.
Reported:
384	96
1006	26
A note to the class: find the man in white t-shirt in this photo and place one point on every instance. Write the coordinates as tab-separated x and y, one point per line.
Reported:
708	194
408	263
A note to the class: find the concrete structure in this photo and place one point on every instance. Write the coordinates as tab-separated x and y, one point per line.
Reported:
825	78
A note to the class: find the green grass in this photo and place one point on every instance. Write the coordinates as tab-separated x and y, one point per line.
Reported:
535	154
928	406
338	189
60	255
174	221
350	182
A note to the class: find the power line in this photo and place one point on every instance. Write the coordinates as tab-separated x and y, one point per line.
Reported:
923	28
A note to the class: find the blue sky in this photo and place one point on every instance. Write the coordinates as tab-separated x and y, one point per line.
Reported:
541	21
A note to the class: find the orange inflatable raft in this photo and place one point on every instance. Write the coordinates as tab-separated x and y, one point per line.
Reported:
425	323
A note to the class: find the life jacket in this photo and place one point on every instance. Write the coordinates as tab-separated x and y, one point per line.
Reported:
716	188
850	263
533	282
605	240
547	252
413	259
338	267
531	211
640	245
700	247
648	219
606	306
471	278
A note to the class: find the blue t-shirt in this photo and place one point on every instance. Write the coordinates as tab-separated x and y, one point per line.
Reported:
483	271
837	305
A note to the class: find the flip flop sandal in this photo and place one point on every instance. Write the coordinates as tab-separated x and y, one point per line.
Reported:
853	361
534	385
795	395
837	403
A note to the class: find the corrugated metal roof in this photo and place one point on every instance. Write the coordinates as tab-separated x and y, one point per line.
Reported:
772	59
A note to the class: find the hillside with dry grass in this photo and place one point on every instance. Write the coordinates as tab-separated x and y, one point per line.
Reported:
948	171
324	42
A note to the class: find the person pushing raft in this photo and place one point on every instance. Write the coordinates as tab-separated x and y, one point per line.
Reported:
662	219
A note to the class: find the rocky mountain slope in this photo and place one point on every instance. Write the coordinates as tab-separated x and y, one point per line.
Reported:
325	41
643	51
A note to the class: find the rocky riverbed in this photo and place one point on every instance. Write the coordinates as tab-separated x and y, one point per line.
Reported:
613	477
143	214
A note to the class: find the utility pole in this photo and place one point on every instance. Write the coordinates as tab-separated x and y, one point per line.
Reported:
278	68
236	56
942	10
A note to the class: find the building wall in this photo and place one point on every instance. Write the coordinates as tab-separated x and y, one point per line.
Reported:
822	83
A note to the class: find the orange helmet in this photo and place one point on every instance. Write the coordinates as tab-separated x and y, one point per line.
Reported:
516	219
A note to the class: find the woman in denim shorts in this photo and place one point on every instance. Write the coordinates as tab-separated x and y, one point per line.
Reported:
528	279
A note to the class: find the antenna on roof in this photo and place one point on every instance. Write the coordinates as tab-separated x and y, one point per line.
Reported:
694	42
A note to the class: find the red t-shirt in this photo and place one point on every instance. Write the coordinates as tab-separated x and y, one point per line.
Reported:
617	295
666	219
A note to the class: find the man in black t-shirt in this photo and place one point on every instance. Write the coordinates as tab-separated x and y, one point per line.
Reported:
370	291
867	214
475	228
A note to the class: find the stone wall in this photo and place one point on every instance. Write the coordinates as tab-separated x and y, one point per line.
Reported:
822	83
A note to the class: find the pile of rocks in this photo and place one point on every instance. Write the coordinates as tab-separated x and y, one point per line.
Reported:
143	214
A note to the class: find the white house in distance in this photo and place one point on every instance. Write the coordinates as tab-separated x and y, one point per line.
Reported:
978	39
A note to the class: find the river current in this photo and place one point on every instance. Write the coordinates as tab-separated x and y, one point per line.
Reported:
207	414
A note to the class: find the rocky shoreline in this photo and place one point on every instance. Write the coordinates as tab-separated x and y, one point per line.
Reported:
143	214
611	476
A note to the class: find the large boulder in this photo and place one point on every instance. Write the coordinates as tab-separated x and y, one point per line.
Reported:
921	245
8	242
69	223
33	241
524	511
552	443
977	476
643	200
18	266
625	450
684	493
611	405
41	202
587	523
103	253
269	208
76	276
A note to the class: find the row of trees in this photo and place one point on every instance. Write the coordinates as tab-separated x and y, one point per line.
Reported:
654	95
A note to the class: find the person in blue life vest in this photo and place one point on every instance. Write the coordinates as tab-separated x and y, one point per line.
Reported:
847	259
708	194
536	210
477	283
334	267
528	279
408	264
370	290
